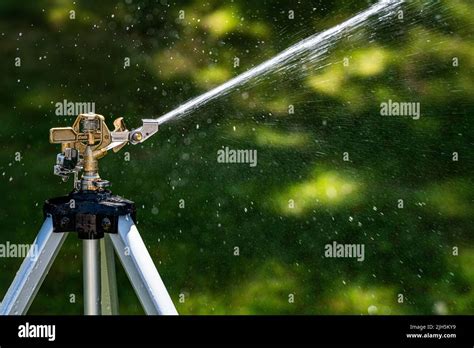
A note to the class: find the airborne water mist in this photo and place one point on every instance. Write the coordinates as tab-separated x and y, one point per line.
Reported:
311	49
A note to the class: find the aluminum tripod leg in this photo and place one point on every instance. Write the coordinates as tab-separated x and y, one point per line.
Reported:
91	269
140	269
109	294
33	270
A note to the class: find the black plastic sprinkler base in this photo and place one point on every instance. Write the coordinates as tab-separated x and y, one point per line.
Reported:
89	213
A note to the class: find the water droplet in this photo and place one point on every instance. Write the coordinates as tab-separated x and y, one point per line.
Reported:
372	310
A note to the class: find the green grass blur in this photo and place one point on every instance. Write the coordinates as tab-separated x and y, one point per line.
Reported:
302	194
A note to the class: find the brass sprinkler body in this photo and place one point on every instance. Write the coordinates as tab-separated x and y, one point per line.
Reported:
83	144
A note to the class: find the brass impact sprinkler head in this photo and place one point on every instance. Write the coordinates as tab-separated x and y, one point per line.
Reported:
88	140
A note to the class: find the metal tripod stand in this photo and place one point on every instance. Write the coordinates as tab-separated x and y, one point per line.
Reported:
100	289
103	221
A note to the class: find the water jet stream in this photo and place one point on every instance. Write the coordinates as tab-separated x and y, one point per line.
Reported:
304	51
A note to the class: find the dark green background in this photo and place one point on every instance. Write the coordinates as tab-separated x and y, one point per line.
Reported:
409	251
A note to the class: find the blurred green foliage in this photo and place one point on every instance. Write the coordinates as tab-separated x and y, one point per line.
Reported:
177	55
